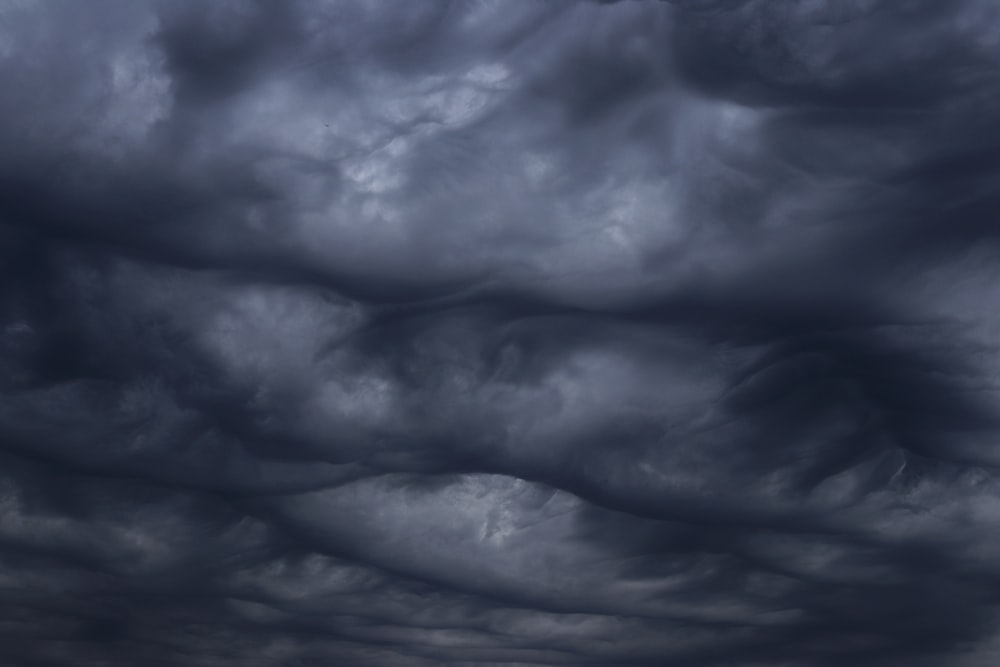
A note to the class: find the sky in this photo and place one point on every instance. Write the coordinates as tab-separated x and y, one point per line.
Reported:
489	333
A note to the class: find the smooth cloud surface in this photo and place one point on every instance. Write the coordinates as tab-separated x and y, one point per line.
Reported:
499	333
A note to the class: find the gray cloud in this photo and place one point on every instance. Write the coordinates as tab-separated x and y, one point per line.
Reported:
481	333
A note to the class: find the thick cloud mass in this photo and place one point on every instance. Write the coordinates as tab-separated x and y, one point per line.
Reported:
508	333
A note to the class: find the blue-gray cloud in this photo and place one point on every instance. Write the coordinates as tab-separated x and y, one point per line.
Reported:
481	333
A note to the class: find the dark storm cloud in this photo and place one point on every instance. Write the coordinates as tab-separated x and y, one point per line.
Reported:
482	333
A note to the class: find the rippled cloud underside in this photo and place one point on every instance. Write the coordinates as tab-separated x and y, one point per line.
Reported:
499	333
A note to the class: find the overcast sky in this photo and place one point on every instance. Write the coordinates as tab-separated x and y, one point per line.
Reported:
499	333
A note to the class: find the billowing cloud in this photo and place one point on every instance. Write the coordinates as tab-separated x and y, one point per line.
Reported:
499	333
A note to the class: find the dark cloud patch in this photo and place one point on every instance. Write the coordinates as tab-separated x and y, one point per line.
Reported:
596	333
221	51
814	53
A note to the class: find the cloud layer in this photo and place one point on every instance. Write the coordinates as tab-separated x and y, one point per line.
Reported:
499	333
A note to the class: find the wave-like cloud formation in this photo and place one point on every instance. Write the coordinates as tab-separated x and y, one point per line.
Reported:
499	333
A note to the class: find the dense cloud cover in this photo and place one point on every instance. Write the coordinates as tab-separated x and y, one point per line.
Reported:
636	333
